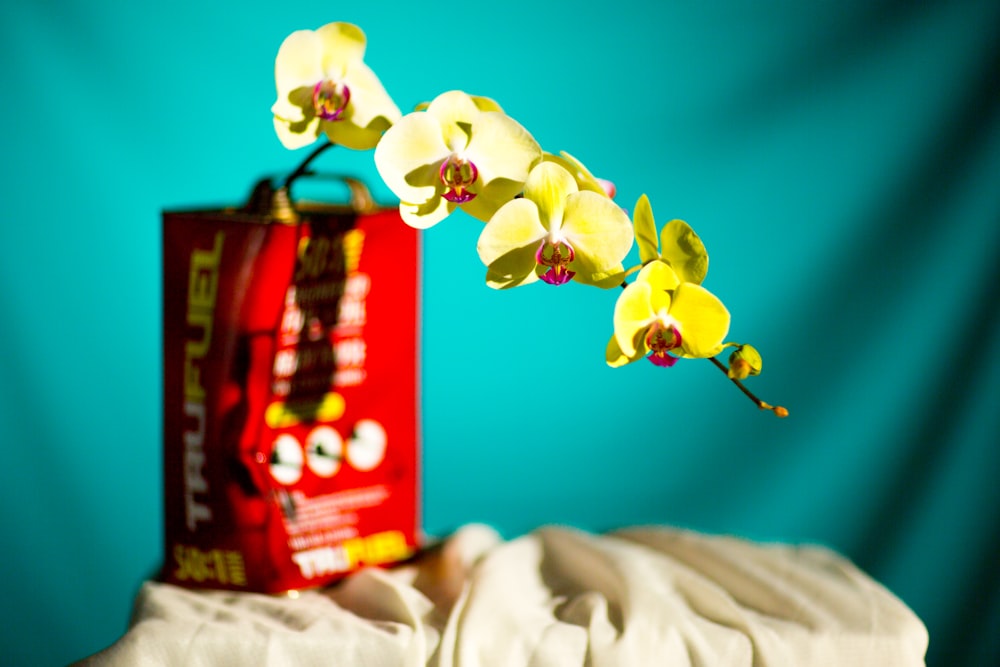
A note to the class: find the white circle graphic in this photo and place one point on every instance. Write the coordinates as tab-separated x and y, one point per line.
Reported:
324	450
366	448
286	459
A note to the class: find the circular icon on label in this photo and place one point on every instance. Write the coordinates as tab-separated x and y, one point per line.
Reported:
366	448
324	450
286	459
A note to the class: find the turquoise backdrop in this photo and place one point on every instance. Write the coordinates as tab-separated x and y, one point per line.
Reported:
841	161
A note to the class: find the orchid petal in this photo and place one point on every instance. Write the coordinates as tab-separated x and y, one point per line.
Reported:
408	157
298	63
633	313
683	249
615	357
428	214
455	113
370	106
501	148
600	232
645	230
702	318
343	44
660	276
508	243
548	185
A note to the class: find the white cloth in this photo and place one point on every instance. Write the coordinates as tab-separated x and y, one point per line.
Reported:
554	597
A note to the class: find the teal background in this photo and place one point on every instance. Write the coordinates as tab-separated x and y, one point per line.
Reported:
841	161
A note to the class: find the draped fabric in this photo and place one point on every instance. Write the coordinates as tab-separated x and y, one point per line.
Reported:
552	598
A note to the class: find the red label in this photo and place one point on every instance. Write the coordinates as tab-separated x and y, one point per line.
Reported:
290	397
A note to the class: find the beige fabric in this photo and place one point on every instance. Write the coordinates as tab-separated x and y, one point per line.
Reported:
554	597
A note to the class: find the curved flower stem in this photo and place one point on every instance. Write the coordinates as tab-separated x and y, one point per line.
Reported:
776	409
304	165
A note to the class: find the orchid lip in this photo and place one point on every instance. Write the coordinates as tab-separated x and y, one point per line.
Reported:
558	273
458	174
330	99
660	344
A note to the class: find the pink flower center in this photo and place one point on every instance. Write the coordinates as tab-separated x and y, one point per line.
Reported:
660	340
330	99
557	257
457	175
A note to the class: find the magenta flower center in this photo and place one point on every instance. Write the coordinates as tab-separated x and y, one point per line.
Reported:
557	257
457	174
330	99
660	340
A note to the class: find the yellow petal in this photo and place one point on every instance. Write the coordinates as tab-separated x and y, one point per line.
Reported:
408	157
501	148
455	113
615	357
702	319
490	197
547	186
370	106
660	276
298	63
343	44
599	231
584	179
485	103
296	135
632	315
645	230
427	214
683	249
509	240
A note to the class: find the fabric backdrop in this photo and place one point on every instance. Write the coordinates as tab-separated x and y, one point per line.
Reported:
840	160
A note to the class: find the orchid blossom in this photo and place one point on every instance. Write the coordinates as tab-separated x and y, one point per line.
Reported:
663	317
556	233
324	87
458	152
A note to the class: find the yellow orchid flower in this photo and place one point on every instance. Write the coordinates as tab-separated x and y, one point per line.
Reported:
556	233
678	245
664	317
324	87
461	151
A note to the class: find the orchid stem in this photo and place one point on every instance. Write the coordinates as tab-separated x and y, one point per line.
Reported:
776	409
304	165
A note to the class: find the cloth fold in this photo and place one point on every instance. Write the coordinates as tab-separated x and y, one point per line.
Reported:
556	597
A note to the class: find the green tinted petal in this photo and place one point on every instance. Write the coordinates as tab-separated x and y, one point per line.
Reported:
408	157
615	357
645	230
349	135
659	275
428	214
491	197
514	227
633	314
702	318
599	231
508	243
547	186
485	103
501	148
584	179
343	44
298	63
296	135
680	246
370	105
455	113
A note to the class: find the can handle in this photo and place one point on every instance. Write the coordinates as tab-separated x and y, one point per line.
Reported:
266	199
